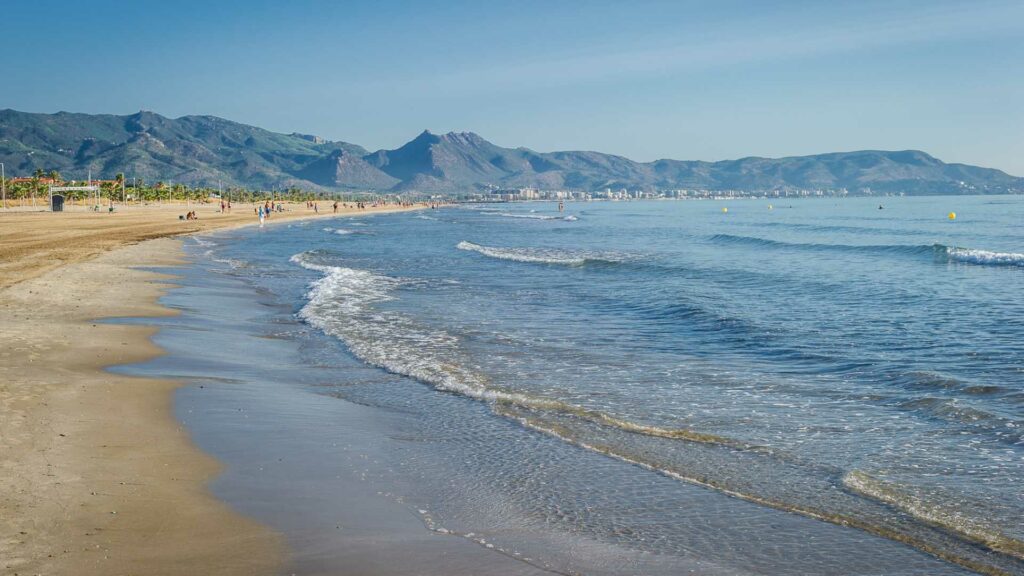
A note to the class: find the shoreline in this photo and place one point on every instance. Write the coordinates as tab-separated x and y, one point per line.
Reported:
295	459
99	476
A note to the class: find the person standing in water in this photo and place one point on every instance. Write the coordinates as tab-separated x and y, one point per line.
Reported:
262	215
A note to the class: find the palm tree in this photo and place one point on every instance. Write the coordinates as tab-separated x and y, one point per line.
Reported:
158	187
36	177
119	182
54	175
139	186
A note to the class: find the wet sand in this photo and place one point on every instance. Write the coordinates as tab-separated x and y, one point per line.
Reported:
96	474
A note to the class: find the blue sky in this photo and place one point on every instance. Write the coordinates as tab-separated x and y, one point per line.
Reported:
648	80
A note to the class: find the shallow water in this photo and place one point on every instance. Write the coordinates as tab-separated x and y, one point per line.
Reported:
816	387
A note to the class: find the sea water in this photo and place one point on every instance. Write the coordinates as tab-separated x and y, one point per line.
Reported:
791	386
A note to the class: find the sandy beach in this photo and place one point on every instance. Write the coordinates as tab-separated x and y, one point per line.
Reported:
97	476
33	241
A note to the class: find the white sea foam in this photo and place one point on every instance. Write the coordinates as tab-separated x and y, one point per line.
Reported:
231	262
343	304
537	255
569	218
541	255
211	254
343	231
950	517
985	257
530	216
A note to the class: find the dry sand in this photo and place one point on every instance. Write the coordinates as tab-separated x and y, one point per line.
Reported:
32	242
96	475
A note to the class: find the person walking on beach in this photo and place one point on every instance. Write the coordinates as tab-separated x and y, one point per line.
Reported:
335	206
261	215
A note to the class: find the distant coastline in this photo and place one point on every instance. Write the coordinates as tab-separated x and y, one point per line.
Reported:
211	152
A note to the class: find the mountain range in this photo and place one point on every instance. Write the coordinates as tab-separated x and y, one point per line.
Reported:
207	150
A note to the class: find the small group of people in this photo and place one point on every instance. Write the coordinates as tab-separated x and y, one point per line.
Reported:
191	216
263	211
225	207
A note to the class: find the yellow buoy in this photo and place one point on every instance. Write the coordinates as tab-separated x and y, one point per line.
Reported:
724	210
952	215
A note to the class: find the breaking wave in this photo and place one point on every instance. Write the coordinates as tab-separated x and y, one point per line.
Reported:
984	257
939	251
543	255
341	304
345	231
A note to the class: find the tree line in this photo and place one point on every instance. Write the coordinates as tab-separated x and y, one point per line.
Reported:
138	190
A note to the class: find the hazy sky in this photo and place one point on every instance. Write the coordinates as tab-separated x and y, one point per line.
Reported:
648	80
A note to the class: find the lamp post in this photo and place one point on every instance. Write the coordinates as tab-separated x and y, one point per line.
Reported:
3	185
